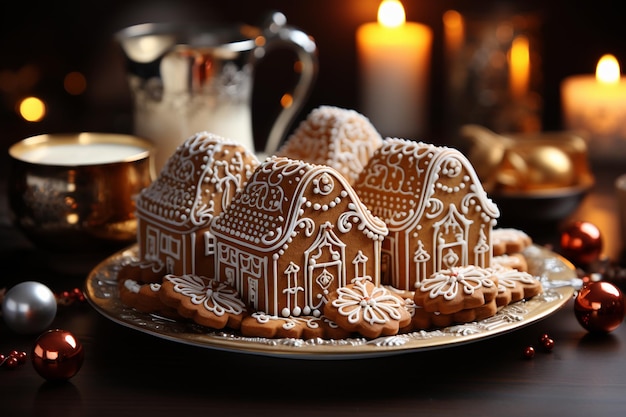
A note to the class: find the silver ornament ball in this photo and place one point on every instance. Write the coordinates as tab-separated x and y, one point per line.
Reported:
29	307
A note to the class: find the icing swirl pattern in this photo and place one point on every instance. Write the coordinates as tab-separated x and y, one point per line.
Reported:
197	181
216	297
449	283
363	301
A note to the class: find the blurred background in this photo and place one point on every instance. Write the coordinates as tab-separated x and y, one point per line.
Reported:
64	53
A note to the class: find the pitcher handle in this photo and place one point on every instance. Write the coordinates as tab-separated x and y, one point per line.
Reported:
278	34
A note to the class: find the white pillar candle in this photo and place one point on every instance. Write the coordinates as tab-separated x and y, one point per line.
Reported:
394	58
596	107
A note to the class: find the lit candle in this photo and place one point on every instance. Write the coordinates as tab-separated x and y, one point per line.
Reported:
595	106
454	32
519	67
394	58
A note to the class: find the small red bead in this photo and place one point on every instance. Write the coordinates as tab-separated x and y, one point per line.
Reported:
548	344
21	357
544	337
79	295
11	362
529	352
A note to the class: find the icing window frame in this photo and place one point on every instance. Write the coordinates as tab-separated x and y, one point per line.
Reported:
170	245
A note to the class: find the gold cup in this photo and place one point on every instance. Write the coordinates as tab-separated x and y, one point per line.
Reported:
75	193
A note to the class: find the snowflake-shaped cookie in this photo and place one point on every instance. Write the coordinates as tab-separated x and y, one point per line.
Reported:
367	309
514	285
204	300
451	290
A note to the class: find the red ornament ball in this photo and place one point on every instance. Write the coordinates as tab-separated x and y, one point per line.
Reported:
581	243
599	307
57	355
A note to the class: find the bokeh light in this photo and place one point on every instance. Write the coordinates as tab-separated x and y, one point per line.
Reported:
32	109
75	83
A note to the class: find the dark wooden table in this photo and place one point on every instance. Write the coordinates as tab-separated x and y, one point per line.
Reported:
129	373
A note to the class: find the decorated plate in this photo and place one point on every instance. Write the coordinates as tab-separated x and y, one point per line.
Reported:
558	277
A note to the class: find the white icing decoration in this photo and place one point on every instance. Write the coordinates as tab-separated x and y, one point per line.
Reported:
215	296
175	211
336	137
296	208
289	322
442	205
448	283
506	235
507	277
365	301
132	286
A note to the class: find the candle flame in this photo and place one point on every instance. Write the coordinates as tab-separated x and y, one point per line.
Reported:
608	71
391	13
453	31
519	66
453	20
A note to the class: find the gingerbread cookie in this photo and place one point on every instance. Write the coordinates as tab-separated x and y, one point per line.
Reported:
405	294
367	309
459	288
429	320
144	298
514	285
515	260
419	321
207	302
475	314
259	324
142	271
509	240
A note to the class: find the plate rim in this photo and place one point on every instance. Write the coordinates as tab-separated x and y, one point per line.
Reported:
557	291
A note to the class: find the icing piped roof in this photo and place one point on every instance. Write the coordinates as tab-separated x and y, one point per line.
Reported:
266	211
197	182
341	138
413	171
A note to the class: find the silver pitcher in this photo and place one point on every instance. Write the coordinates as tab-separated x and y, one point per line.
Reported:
186	79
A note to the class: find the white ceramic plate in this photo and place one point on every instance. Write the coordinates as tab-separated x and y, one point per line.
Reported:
558	277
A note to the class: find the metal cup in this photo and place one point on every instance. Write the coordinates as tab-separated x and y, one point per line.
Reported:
76	192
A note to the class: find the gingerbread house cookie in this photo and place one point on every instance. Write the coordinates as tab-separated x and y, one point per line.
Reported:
435	207
295	233
341	138
175	211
